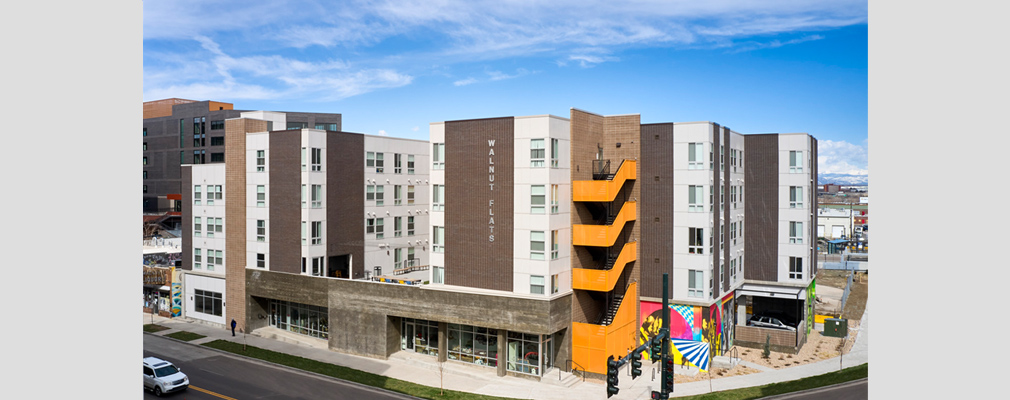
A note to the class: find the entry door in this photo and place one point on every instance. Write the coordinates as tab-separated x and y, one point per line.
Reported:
410	335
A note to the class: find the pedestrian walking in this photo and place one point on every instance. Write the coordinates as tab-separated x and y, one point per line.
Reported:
233	326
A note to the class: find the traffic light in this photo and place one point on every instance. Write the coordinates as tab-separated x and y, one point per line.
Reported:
657	347
668	375
636	364
611	377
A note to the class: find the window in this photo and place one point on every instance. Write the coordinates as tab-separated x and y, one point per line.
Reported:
207	302
410	194
555	246
555	201
694	282
379	228
438	156
197	226
554	153
370	160
410	164
397	194
326	126
317	196
217	141
732	158
722	158
261	260
261	160
379	163
438	274
694	198
536	284
370	226
536	245
555	284
795	268
732	195
438	239
145	188
796	232
199	133
795	197
369	193
198	156
145	131
732	270
145	146
694	156
438	198
182	157
297	125
537	199
711	198
536	153
317	159
145	160
410	226
397	163
182	134
304	159
696	240
732	232
380	194
214	257
397	258
261	196
305	235
711	160
261	230
722	197
397	226
317	266
317	231
213	225
411	261
215	125
197	258
795	162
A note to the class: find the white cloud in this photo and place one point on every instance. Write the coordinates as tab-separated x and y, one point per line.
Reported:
382	132
415	128
464	82
840	157
586	60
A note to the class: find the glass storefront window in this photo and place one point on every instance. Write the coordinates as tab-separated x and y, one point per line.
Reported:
300	318
419	335
524	353
475	345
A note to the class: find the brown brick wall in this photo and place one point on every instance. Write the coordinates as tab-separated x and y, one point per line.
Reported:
284	201
234	217
761	202
345	198
626	130
656	208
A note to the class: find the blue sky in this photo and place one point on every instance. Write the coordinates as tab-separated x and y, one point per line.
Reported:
392	67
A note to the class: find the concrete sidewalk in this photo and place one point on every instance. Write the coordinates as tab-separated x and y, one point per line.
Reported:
476	379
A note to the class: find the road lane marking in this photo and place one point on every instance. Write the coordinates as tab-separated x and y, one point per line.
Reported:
211	393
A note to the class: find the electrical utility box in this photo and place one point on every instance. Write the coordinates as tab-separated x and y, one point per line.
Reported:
836	327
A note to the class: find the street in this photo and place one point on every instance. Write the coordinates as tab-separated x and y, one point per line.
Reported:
214	375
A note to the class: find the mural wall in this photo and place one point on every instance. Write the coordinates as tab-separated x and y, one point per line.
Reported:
712	324
811	298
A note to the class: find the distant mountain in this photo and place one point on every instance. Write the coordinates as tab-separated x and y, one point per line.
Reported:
843	179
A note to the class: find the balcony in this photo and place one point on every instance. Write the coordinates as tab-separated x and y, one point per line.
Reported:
604	235
603	280
604	190
592	344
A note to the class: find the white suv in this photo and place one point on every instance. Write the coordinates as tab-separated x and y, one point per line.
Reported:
163	377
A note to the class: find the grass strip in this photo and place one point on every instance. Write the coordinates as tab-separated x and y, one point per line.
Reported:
348	374
185	336
813	382
154	328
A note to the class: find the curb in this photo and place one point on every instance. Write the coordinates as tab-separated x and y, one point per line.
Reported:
293	369
808	391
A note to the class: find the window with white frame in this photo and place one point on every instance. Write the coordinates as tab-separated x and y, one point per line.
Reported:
318	267
305	159
555	199
722	197
695	156
369	160
380	228
370	226
410	261
711	158
694	283
536	284
261	160
215	258
795	268
438	239
711	198
554	153
437	274
197	258
795	232
537	201
379	163
261	260
305	237
369	192
317	196
732	158
397	226
722	157
537	153
397	163
261	196
380	195
536	245
555	284
695	198
696	240
795	162
722	273
261	230
398	258
410	226
795	197
410	194
317	159
438	198
732	195
410	164
555	246
214	225
438	156
732	270
197	195
197	226
397	195
732	232
214	192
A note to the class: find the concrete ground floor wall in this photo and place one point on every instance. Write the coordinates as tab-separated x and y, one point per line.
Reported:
364	317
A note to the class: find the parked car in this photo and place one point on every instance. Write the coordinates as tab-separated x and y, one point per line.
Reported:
161	376
765	321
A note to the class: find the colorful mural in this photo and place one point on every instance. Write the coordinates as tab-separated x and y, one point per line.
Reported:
176	295
811	298
690	323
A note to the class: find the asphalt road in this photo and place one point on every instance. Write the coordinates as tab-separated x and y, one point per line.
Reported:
215	376
854	390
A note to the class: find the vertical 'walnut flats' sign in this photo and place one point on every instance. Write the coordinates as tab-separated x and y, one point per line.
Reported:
490	179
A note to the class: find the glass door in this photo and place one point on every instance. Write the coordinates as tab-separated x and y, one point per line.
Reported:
409	335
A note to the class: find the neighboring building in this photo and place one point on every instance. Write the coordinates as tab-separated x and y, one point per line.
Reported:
179	132
835	223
